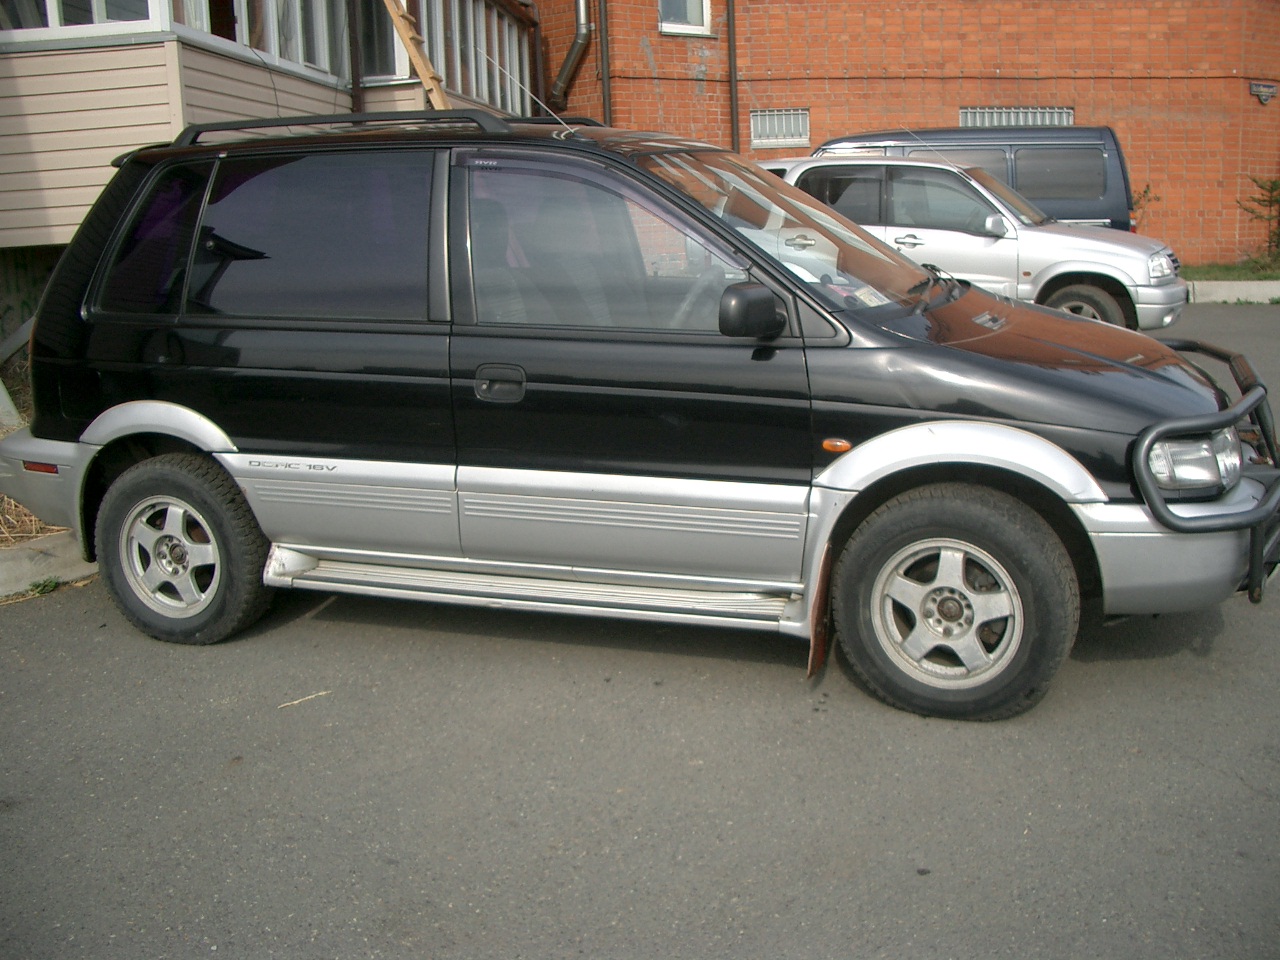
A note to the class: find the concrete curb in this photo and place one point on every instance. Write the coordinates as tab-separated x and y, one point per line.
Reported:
1233	291
55	556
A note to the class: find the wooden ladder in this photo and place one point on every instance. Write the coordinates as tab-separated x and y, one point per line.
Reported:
407	29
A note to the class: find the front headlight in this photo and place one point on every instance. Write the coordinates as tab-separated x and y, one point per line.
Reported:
1160	266
1203	463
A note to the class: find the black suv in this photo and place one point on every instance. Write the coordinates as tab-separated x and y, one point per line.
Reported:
562	367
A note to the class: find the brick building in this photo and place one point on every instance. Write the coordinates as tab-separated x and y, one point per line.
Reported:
1173	77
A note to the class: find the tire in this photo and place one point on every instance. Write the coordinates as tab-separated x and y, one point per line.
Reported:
956	601
180	550
1086	301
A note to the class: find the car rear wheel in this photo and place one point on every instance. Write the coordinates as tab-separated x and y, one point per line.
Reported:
955	601
181	551
1086	301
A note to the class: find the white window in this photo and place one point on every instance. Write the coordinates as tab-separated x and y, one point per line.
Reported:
685	16
1017	116
780	128
488	56
307	32
37	14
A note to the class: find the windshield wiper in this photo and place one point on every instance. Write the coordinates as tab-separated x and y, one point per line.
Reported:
953	289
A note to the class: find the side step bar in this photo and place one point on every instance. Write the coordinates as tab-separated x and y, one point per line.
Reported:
758	611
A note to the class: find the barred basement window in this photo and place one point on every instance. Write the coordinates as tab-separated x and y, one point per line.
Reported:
1017	116
780	128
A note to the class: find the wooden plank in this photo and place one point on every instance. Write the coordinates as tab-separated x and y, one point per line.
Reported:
406	30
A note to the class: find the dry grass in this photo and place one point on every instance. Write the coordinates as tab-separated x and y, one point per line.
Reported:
17	525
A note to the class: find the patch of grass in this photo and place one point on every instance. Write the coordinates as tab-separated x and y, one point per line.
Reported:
1248	270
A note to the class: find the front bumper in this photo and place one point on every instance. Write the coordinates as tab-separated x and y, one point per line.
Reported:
1148	568
1255	514
1158	307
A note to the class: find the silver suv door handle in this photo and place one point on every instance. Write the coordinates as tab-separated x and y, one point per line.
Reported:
800	242
910	240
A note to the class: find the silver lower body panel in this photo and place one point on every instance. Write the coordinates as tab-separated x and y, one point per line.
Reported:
590	593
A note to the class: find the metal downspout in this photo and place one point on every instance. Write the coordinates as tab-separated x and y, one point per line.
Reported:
353	55
606	85
735	141
557	98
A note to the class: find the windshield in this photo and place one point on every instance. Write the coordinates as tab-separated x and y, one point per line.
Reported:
839	262
1023	209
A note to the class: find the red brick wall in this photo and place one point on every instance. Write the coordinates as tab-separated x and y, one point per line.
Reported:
1171	76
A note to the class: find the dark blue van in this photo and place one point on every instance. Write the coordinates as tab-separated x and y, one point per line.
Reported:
1074	174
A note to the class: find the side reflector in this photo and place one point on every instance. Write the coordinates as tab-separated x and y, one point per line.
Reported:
35	466
836	445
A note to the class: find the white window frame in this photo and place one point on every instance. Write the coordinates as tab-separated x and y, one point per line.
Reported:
687	29
158	18
196	14
489	56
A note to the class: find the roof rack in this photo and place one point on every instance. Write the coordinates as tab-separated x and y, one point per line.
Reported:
487	122
565	121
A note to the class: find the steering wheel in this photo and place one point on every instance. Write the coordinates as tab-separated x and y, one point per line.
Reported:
709	281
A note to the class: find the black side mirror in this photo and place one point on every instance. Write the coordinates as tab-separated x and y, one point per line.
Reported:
750	309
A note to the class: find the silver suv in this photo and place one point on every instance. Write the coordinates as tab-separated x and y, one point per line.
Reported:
969	224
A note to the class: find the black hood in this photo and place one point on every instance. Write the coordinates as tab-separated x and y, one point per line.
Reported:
991	357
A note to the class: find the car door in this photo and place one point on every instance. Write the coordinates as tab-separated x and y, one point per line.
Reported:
936	217
603	422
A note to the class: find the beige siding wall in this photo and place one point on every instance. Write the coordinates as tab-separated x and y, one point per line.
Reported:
64	115
399	96
216	87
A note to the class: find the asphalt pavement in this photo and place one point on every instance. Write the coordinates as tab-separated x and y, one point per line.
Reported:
372	778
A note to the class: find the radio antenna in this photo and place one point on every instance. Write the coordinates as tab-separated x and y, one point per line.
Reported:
568	130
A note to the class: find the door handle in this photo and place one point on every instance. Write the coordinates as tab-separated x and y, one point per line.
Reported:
800	242
910	240
500	382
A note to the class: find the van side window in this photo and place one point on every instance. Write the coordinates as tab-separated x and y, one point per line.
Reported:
991	159
150	265
340	235
1060	173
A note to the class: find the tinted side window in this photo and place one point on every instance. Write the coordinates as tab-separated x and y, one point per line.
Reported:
150	265
319	236
556	250
852	191
936	200
1061	173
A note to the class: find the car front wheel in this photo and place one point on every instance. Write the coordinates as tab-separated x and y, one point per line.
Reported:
180	550
956	601
1086	301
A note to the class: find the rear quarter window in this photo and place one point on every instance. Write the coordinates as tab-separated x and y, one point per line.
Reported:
149	268
341	235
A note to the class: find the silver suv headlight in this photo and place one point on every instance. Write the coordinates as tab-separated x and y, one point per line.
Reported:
1160	266
1197	464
